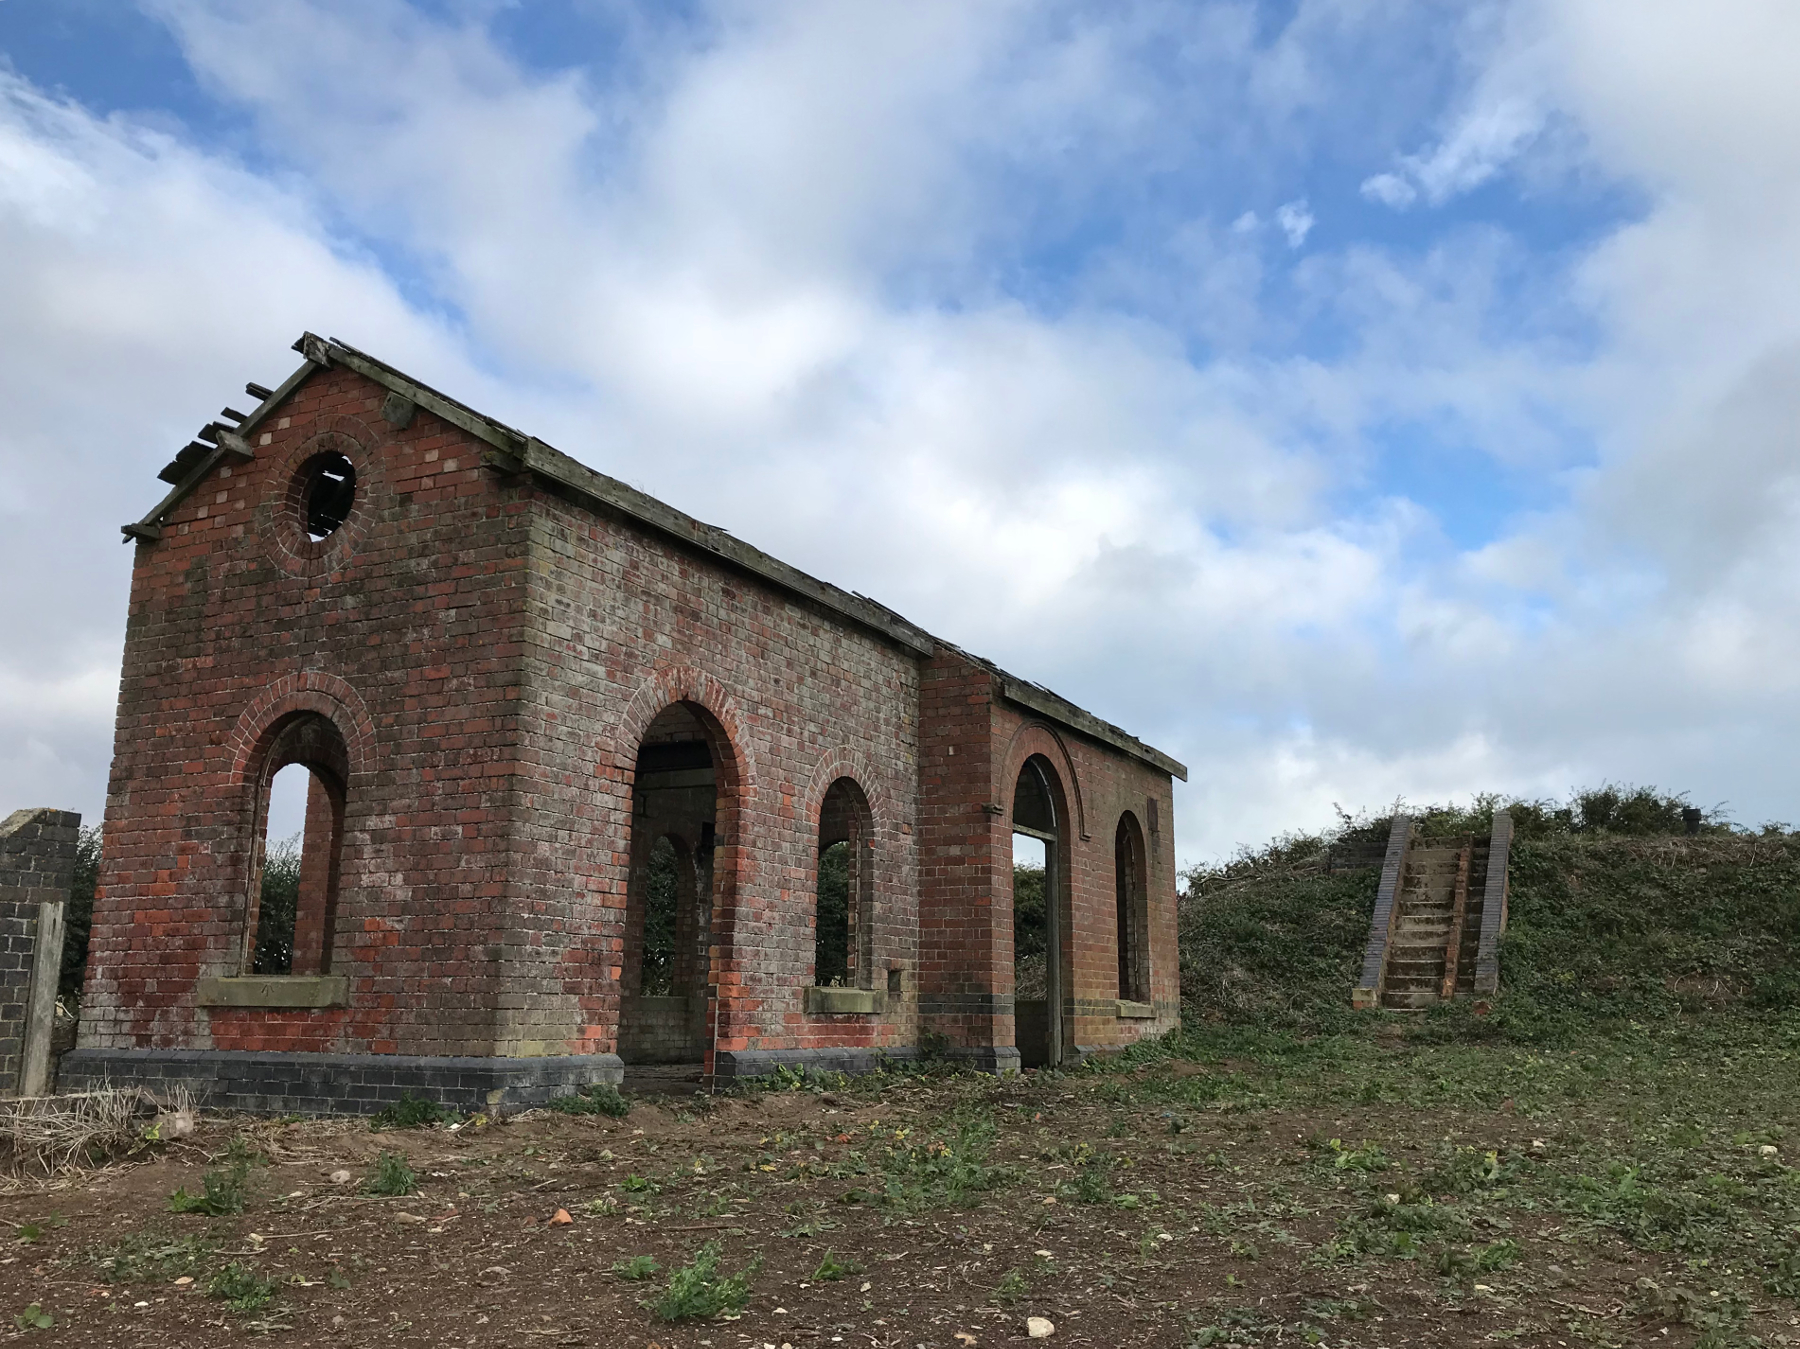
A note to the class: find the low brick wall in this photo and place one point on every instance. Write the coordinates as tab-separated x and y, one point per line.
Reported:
325	1084
37	867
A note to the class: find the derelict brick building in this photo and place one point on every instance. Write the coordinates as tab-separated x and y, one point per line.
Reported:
513	680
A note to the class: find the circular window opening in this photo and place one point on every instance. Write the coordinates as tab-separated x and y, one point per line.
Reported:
327	489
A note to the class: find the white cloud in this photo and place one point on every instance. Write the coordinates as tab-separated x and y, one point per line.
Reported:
1296	221
769	280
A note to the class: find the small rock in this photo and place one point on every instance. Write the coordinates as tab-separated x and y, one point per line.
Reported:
560	1218
341	1177
1039	1327
410	1218
184	1280
1767	1150
965	1339
173	1124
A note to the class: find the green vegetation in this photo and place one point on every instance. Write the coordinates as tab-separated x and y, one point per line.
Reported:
1647	1031
277	907
240	1287
638	1267
698	1290
1616	914
831	947
411	1112
597	1098
78	915
831	1268
151	1257
391	1176
221	1193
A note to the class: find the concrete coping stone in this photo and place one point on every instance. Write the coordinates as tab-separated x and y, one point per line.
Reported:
846	1001
274	990
1135	1011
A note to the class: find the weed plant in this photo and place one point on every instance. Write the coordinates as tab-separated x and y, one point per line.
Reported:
597	1098
392	1176
240	1287
411	1112
697	1290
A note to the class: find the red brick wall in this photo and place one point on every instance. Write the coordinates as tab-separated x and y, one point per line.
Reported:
405	627
492	655
621	624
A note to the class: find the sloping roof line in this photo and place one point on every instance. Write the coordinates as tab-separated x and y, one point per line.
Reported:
513	451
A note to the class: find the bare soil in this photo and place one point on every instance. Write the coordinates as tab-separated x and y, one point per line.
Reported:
959	1206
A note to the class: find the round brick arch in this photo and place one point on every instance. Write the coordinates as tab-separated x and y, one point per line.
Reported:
844	762
1039	737
309	691
684	684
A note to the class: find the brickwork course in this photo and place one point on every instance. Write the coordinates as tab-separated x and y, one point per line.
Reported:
496	664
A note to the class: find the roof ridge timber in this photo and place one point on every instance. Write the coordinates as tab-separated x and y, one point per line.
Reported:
514	452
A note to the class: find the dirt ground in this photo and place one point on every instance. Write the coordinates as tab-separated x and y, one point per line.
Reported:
1181	1204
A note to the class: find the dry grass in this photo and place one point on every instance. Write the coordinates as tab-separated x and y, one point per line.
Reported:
49	1135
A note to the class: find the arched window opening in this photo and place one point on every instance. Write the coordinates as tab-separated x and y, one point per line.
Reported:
831	940
298	852
1133	915
1040	915
843	916
1029	948
669	890
284	846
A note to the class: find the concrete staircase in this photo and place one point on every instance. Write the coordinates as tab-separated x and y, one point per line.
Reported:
1438	901
1432	938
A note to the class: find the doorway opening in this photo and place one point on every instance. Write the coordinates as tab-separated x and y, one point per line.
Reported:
1039	917
668	910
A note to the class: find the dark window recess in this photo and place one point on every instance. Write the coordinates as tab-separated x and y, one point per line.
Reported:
662	895
831	938
330	490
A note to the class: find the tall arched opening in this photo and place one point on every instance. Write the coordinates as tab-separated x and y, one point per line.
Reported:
669	912
843	917
290	912
1041	1004
1132	895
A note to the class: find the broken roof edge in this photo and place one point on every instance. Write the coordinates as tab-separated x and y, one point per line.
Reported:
1055	707
515	451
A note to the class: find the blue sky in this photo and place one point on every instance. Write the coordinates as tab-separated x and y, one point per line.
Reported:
1358	399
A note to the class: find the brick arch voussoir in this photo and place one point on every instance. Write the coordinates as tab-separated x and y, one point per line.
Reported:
683	684
845	762
310	691
1039	737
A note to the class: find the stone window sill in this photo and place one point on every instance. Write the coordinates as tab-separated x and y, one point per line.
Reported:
274	990
845	1001
1135	1011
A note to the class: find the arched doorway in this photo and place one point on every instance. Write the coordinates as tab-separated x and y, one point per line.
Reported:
1040	920
663	1011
